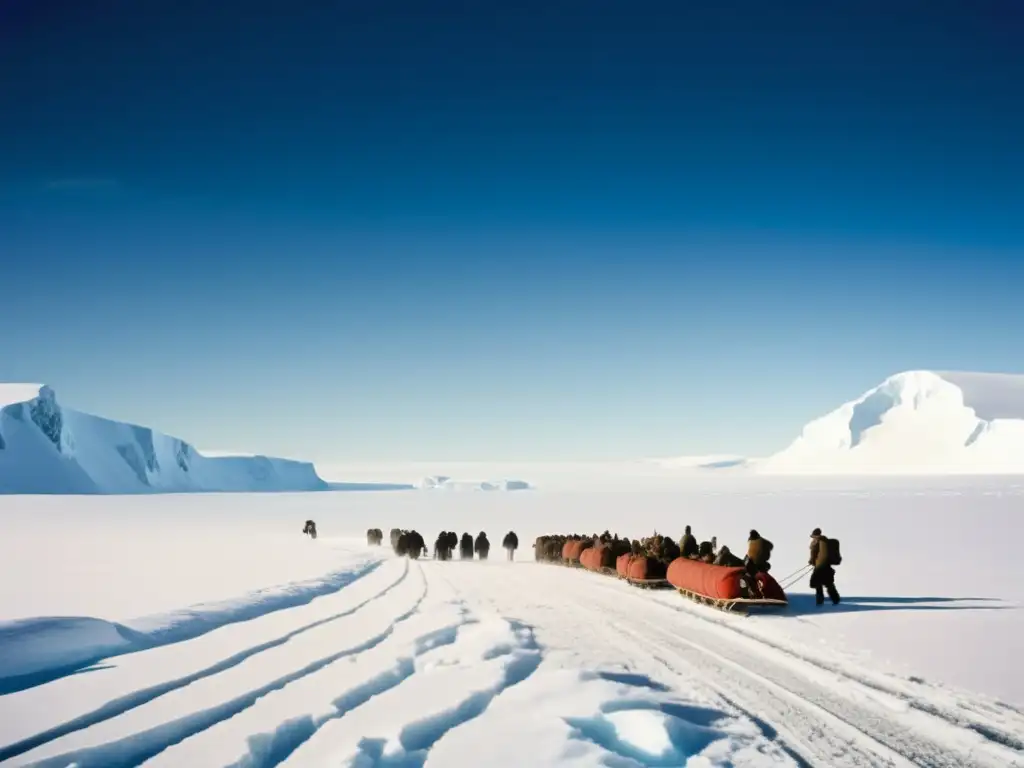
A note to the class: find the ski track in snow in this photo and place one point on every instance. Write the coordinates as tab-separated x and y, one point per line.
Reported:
439	664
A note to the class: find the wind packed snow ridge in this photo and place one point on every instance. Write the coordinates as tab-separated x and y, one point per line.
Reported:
917	422
38	650
47	448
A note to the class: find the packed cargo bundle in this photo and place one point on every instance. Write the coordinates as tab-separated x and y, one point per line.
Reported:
722	585
642	568
574	548
715	581
622	564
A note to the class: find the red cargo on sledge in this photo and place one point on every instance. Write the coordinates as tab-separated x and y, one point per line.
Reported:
646	569
573	548
720	584
622	564
597	558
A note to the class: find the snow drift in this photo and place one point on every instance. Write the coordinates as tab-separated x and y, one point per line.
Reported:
917	422
47	448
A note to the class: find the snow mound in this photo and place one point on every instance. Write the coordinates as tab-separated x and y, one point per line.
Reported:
47	448
445	483
917	422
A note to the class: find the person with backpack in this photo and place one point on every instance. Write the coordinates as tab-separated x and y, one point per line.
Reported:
824	556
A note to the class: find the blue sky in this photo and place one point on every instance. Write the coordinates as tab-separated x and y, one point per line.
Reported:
517	231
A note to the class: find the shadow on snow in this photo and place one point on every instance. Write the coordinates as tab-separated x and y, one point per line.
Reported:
803	603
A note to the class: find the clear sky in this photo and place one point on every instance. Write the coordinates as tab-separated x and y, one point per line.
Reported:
505	230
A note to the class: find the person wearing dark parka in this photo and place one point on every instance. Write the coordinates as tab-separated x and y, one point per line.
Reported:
482	546
511	543
823	577
688	544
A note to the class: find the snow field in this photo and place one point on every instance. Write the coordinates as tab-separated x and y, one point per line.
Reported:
133	679
355	657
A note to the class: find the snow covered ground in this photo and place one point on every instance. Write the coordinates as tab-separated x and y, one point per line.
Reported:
206	630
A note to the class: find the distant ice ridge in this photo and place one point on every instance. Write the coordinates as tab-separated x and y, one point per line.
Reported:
713	461
916	422
48	448
443	482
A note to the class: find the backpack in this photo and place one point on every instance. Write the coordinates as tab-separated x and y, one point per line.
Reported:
834	556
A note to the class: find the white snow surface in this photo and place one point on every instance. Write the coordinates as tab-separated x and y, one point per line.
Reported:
206	630
48	448
917	422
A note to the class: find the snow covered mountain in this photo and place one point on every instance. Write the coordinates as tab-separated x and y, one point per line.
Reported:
917	422
47	448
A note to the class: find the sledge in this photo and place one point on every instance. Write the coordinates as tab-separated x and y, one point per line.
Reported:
723	587
732	605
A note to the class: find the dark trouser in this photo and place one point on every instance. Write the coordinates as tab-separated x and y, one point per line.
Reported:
824	578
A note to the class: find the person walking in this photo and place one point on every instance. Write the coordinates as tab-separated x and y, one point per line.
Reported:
823	577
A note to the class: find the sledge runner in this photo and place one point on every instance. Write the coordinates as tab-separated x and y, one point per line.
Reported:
824	555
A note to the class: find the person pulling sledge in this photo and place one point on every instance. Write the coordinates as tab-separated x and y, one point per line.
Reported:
310	529
824	555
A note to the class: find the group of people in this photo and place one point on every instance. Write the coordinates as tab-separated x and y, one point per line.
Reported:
824	552
411	543
824	556
447	541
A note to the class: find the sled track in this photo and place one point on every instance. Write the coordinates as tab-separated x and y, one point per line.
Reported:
835	729
328	685
140	697
1007	730
266	719
148	741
